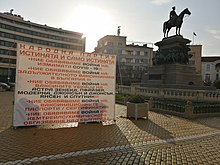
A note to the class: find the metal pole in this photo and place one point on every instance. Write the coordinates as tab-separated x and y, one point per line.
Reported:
8	70
193	39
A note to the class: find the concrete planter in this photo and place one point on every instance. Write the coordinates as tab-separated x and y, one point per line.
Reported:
137	110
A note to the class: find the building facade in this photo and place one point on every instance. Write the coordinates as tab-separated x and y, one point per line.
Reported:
133	60
14	29
211	68
196	57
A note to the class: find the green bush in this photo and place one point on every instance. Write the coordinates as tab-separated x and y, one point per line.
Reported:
136	99
120	97
217	84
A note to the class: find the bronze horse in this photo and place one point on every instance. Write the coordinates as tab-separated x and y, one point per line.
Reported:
177	23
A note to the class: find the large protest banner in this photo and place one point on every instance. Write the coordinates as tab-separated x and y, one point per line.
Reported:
62	86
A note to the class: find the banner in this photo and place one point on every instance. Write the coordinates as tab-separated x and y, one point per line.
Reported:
63	86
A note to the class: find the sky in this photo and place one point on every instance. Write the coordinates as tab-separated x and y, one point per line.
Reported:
140	20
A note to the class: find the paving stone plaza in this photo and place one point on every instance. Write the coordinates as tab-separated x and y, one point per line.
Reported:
162	139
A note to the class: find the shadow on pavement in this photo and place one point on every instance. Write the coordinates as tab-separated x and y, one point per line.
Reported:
34	142
153	129
27	142
212	122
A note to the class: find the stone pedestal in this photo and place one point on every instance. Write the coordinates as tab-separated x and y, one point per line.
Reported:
171	65
172	75
172	50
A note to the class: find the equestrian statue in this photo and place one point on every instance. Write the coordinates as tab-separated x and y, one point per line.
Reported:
174	21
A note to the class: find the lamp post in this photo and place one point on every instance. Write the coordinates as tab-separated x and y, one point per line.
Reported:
8	78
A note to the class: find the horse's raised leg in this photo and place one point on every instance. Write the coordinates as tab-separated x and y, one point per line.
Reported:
164	29
168	31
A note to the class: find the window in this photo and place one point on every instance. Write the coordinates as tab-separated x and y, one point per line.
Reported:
7	52
110	51
123	51
136	68
145	61
119	51
4	72
2	34
123	60
129	52
22	30
142	68
128	60
142	53
120	44
8	44
99	44
217	76
7	60
110	43
145	53
208	67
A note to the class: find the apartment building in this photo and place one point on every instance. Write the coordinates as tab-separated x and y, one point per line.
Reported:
207	66
196	57
211	68
132	59
14	29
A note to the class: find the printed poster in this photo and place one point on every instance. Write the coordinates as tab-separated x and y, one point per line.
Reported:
56	85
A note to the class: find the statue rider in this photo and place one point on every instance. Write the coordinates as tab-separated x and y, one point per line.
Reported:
173	15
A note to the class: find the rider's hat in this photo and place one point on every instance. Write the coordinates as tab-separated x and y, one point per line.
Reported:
173	7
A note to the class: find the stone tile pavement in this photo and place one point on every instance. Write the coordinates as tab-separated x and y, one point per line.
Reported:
162	139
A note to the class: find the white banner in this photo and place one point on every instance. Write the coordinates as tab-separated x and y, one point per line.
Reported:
63	86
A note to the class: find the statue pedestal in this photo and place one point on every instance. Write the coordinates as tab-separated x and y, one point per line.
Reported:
172	42
172	75
172	50
171	67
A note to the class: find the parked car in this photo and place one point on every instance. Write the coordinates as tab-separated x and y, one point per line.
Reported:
4	86
12	86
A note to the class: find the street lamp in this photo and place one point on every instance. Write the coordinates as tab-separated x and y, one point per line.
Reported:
8	79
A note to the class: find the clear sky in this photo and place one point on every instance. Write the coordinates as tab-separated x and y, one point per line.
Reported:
140	20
